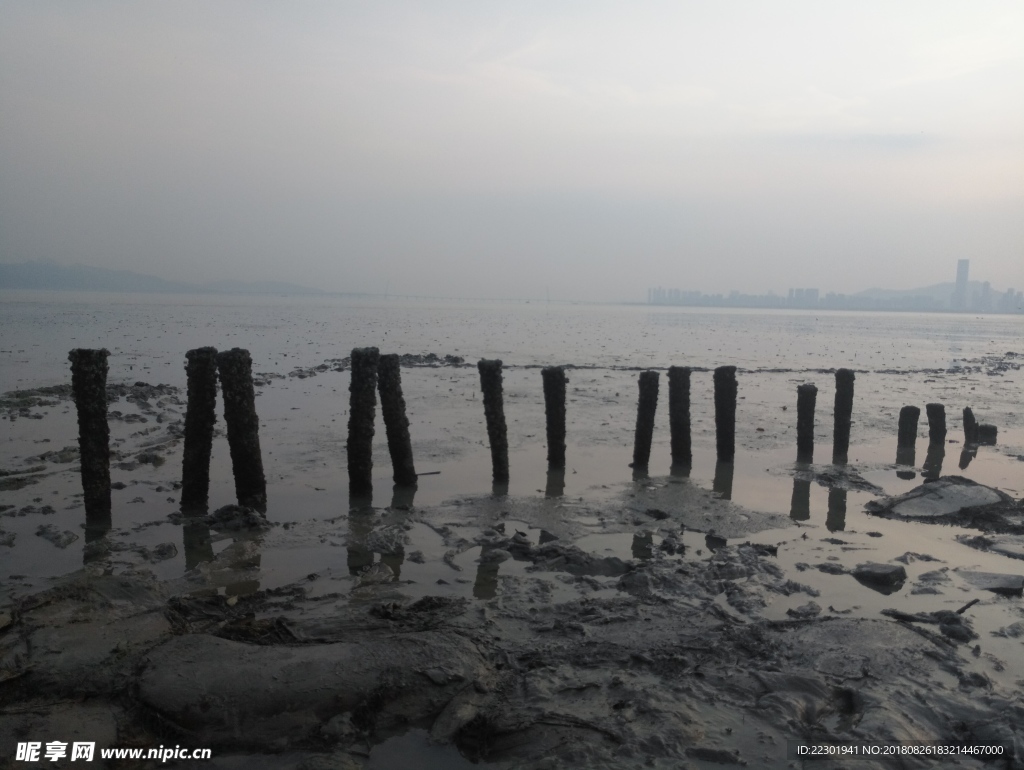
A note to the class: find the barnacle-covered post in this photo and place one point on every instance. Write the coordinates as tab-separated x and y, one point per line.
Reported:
235	369
200	416
89	390
392	406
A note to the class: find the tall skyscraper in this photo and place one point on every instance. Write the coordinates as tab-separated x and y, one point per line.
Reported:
959	299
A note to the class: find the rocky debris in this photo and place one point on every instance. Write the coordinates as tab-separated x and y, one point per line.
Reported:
805	611
228	518
1006	585
54	535
7	539
951	624
68	454
929	582
1006	545
955	500
884	578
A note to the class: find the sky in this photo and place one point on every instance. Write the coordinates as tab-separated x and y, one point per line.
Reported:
577	150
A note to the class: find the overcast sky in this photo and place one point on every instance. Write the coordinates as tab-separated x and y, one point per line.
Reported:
584	149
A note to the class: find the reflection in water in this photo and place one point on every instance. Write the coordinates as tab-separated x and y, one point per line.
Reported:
556	483
486	584
906	455
800	506
360	523
836	520
499	488
722	485
966	455
402	497
680	471
933	461
198	545
643	546
394	560
97	525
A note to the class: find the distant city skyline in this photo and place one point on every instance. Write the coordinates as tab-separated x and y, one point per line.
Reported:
962	295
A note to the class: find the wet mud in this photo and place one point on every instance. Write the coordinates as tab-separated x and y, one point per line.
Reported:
609	622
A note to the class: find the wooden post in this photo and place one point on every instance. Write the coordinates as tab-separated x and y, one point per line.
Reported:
396	423
494	411
554	410
647	404
725	412
843	415
679	415
235	369
806	397
200	417
89	390
362	411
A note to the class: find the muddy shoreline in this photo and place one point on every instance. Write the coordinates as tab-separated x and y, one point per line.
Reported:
632	623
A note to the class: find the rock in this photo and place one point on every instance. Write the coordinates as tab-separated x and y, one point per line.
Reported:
230	693
55	536
881	577
805	611
1007	585
955	500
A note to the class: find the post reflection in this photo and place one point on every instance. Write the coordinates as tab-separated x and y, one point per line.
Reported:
556	483
906	455
933	461
836	519
722	485
800	504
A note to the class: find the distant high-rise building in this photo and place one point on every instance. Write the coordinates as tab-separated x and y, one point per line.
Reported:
959	299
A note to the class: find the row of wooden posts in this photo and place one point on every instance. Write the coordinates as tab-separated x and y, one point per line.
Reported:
372	372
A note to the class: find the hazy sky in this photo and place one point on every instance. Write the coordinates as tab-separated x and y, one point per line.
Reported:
586	149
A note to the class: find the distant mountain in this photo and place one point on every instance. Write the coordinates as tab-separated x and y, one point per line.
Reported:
53	276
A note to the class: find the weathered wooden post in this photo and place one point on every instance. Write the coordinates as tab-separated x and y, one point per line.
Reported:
362	410
725	412
647	405
494	411
970	426
554	410
936	423
806	398
396	423
243	424
200	416
932	468
89	390
679	415
907	436
843	414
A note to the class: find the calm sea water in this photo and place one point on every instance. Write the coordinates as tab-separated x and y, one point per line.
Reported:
149	334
